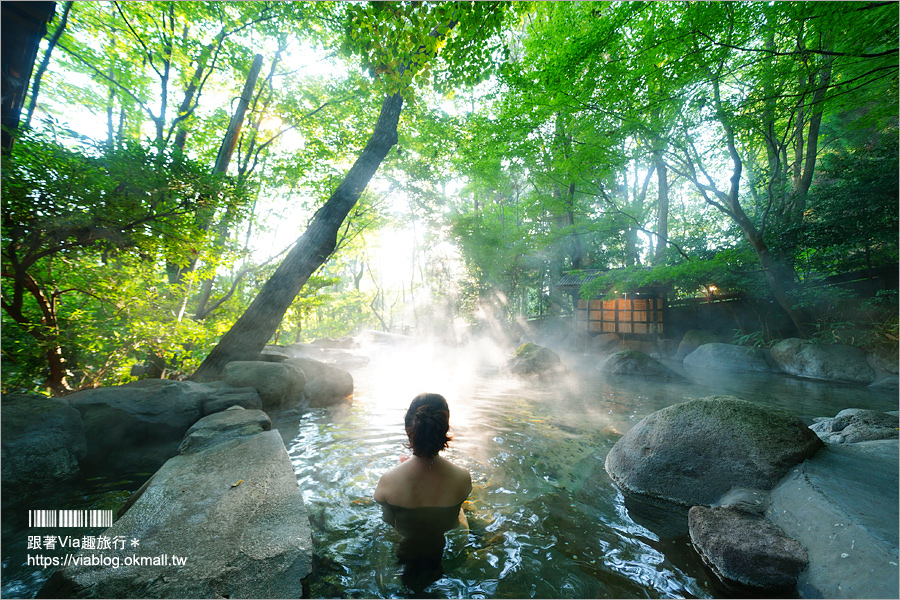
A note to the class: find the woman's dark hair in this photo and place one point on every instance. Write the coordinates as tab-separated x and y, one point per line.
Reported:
427	422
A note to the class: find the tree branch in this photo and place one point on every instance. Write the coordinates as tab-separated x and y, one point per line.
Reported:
795	53
137	36
137	100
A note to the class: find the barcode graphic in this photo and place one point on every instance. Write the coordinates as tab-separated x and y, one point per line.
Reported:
70	518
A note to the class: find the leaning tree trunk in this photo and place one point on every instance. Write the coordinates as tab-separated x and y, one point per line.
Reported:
248	336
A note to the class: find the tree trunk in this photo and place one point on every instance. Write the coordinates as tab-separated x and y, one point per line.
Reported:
110	111
662	211
631	256
577	252
639	194
248	336
36	86
226	150
45	333
779	276
237	121
803	183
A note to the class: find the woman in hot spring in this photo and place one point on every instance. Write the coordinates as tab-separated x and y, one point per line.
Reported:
422	497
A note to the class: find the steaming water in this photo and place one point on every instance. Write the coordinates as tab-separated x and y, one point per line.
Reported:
545	521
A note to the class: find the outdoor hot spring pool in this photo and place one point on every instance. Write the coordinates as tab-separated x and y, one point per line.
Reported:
545	521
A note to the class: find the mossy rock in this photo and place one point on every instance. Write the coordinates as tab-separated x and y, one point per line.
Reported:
695	452
532	359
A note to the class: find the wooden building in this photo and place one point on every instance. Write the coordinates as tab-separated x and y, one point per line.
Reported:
638	314
24	25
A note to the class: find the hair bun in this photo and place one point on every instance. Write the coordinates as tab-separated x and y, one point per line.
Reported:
427	422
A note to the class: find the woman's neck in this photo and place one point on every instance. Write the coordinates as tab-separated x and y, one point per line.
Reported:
427	461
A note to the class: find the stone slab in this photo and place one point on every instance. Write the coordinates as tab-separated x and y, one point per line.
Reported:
842	505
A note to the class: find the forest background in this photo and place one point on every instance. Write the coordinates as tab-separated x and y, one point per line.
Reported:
174	160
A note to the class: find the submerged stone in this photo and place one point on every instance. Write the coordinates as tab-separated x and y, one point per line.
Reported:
841	504
746	548
727	357
42	440
857	425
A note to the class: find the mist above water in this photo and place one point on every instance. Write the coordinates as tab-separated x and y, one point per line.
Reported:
545	520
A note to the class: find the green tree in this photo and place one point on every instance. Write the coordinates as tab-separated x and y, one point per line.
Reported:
398	42
66	208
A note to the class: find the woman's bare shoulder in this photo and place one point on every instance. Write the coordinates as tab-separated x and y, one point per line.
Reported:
462	478
461	472
387	484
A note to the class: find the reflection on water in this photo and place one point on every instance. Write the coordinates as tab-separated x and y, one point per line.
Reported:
544	519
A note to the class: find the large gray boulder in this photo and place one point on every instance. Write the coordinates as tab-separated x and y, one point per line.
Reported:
885	357
832	362
275	354
693	453
232	512
604	342
223	396
693	339
746	548
326	384
138	426
635	363
42	443
219	427
280	385
857	425
841	504
727	357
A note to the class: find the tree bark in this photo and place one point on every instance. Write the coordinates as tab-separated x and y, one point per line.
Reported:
223	159
237	121
639	195
248	336
779	276
662	210
188	103
46	333
36	86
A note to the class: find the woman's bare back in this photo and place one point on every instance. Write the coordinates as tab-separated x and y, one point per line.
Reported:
420	482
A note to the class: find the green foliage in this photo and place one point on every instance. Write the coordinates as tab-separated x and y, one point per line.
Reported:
399	42
753	340
57	198
538	154
852	221
728	271
868	332
85	230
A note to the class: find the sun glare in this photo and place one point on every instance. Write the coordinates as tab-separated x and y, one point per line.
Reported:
393	260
